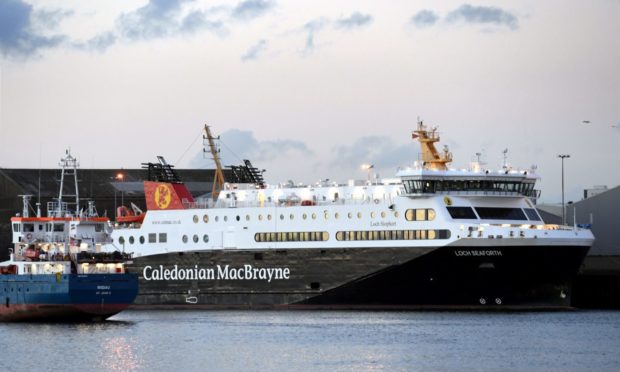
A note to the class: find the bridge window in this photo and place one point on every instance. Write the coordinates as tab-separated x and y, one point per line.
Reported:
532	215
500	213
465	213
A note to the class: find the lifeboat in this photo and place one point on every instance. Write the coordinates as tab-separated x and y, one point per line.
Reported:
126	215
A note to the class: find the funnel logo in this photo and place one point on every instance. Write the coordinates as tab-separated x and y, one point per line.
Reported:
162	196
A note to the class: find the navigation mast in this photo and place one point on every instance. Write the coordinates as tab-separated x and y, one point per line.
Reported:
432	159
218	180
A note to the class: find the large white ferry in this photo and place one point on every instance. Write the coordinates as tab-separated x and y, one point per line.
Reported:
433	237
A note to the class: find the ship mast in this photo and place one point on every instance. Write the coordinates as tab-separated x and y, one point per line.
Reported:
218	180
432	159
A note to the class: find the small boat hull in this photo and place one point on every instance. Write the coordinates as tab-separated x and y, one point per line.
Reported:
69	297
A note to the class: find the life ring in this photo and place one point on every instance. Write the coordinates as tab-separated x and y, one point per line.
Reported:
29	236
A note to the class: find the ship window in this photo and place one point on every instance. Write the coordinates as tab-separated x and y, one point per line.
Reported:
531	214
291	216
217	218
185	238
500	213
382	214
337	215
238	218
225	218
314	216
304	216
396	214
205	238
372	214
132	240
462	213
281	216
294	236
420	214
121	240
392	235
247	217
28	227
58	227
205	218
196	239
15	227
152	238
326	215
141	239
350	215
359	214
98	227
260	217
163	237
269	217
195	219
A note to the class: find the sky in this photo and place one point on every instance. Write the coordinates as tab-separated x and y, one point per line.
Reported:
312	90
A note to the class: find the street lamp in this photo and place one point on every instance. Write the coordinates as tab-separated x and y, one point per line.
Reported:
368	167
564	156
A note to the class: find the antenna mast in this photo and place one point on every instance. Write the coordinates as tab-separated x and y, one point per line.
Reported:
218	180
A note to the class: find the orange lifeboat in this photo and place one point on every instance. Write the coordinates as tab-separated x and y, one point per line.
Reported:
126	215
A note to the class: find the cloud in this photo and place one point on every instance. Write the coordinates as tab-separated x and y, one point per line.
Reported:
158	18
254	51
250	9
485	15
17	30
380	151
237	145
355	20
100	42
311	28
424	18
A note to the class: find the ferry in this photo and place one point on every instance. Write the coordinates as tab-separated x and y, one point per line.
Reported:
58	268
431	238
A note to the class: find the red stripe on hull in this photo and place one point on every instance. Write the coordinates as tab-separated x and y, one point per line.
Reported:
54	312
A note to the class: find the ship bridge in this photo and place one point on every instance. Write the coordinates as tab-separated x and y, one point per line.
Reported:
509	183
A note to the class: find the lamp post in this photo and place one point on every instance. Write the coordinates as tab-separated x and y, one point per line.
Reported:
367	168
563	156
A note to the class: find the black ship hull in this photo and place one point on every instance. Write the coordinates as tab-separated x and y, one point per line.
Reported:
450	277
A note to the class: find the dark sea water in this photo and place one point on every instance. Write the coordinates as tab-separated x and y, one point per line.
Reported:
318	340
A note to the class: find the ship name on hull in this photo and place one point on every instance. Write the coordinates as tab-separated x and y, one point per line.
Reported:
219	272
477	253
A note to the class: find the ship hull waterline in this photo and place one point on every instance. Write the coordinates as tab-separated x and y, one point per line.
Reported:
449	277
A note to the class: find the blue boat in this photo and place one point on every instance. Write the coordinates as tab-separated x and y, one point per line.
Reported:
58	269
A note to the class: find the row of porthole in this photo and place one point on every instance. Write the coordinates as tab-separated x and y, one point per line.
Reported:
304	216
196	238
131	240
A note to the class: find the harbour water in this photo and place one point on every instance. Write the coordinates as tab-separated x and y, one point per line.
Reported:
318	340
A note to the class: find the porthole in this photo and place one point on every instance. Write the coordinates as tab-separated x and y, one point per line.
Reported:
217	218
225	218
326	215
196	239
382	214
131	240
359	214
195	219
372	214
238	218
260	217
337	215
292	216
184	238
396	214
142	240
121	240
281	216
269	217
350	215
314	216
205	218
304	216
247	217
205	238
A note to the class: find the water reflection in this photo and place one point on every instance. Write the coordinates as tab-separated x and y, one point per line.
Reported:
119	354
